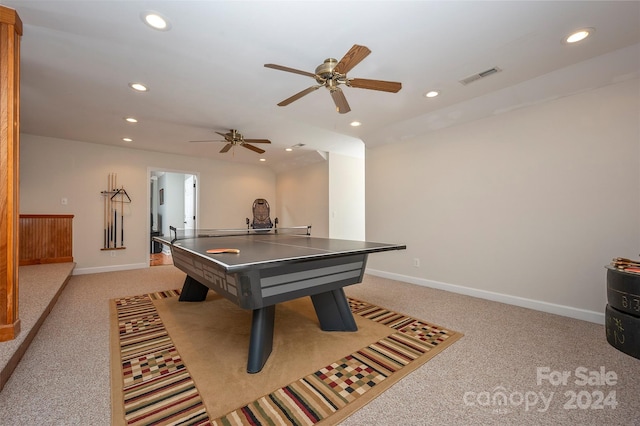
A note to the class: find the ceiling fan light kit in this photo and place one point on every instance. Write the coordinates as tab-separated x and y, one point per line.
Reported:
332	73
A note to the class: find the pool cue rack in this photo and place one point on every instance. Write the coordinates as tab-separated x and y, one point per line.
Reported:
113	207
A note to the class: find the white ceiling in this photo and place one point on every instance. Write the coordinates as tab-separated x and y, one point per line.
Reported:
206	73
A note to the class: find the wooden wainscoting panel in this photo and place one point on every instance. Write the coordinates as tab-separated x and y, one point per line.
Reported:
46	238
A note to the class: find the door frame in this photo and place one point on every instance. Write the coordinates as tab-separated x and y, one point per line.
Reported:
155	170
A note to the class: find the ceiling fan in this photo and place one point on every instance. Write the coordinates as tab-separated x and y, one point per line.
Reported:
332	73
234	138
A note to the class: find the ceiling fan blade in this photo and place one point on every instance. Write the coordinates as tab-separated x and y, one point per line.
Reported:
257	140
352	58
287	69
253	148
385	86
226	148
341	102
299	95
205	141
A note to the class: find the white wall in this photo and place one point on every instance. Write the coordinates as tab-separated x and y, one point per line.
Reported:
51	169
172	210
329	195
525	207
303	198
346	197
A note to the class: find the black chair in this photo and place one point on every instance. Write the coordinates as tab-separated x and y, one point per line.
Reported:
261	216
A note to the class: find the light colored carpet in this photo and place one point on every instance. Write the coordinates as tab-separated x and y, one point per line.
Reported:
64	377
212	339
41	284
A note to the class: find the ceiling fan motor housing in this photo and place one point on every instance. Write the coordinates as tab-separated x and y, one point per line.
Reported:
324	72
234	136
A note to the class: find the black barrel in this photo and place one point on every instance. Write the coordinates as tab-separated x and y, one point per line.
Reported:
623	331
623	291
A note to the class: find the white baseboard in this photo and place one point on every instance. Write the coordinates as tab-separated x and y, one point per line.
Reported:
112	268
552	308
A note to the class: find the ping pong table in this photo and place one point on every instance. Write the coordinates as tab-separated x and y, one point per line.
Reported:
270	267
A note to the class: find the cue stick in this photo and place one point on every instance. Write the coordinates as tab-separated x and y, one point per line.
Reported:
104	220
107	212
110	207
110	210
122	218
106	215
115	226
115	213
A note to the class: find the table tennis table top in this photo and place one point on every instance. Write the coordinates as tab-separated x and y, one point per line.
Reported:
263	249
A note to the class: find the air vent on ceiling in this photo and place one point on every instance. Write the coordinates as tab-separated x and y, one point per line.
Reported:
478	76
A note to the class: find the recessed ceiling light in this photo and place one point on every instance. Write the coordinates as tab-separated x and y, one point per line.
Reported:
432	94
138	87
355	123
263	159
155	21
131	120
288	149
127	139
579	35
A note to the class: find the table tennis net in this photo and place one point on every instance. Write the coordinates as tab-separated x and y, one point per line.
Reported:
183	234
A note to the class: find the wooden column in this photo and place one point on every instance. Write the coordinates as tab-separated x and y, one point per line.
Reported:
10	32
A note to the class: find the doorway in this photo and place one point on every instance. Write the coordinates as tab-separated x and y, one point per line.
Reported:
189	202
173	201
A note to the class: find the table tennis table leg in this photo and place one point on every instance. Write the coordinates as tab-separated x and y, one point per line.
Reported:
193	291
332	309
261	341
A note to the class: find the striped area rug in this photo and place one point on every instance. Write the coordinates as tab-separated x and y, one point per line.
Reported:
156	384
158	390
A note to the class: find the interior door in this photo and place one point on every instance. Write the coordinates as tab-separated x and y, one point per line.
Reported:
189	202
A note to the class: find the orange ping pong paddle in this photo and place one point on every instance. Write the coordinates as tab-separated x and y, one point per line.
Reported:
223	250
